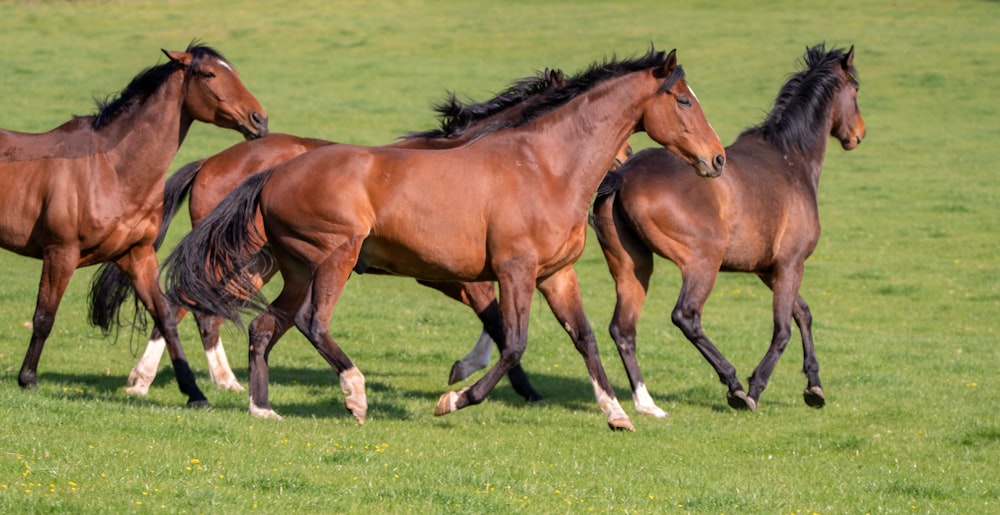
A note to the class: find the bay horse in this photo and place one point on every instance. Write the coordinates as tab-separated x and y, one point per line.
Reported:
208	180
90	191
510	206
760	217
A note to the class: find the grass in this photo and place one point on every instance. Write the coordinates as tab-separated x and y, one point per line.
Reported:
903	285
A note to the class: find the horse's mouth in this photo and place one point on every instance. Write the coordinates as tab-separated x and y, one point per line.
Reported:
709	171
259	129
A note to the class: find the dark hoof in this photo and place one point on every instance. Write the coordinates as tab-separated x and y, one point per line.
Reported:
199	404
739	400
535	398
814	397
456	374
27	385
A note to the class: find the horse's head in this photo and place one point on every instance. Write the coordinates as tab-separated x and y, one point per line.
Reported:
674	119
213	93
848	126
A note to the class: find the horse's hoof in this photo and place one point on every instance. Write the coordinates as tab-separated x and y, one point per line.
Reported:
739	400
458	372
266	413
652	411
360	411
535	398
446	404
233	386
621	424
138	390
203	403
814	397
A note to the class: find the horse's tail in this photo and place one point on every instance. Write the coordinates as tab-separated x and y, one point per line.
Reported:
177	188
603	211
213	269
110	288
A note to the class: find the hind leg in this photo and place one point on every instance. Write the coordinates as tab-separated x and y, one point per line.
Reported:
631	265
215	353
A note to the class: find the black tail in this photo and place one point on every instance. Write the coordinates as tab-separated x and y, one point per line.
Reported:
110	288
213	269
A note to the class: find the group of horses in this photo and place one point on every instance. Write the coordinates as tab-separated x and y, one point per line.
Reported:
498	198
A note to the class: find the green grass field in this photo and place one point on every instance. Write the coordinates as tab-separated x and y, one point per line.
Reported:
904	286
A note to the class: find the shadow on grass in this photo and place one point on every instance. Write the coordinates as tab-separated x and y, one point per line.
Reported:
389	396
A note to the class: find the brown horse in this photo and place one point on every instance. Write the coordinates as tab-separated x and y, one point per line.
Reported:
209	180
510	207
90	191
760	217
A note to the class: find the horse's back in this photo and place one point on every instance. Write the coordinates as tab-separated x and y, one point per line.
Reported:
222	172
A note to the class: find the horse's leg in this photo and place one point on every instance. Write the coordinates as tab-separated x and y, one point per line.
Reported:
144	371
215	354
313	320
58	265
140	265
813	394
631	265
516	278
784	283
265	331
481	297
562	292
696	285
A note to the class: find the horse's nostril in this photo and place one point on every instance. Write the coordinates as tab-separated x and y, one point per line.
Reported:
719	162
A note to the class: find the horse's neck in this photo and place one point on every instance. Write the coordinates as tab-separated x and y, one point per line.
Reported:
580	140
140	144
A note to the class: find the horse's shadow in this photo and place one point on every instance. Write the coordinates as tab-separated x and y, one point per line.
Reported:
389	397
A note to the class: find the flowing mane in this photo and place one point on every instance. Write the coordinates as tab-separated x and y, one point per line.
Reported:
144	85
457	116
803	102
595	74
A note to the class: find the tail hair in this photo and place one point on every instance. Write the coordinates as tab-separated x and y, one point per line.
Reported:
213	268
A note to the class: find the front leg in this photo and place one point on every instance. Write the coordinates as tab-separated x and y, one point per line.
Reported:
562	292
516	278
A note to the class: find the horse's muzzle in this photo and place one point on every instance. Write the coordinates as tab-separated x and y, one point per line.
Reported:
259	129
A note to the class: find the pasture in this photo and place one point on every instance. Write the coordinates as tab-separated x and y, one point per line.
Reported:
903	285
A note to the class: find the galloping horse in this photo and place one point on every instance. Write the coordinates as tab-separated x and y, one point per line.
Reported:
210	179
91	190
510	206
760	217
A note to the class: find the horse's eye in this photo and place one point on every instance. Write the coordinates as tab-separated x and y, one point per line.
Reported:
684	102
206	75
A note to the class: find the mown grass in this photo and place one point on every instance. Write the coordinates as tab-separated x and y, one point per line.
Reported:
903	285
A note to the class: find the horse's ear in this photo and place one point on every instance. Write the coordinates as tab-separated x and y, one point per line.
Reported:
849	59
669	64
554	77
182	58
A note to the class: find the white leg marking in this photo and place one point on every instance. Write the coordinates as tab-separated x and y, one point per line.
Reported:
263	413
352	383
219	369
644	403
609	405
144	371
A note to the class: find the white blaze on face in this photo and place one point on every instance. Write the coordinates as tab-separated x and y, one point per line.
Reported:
693	95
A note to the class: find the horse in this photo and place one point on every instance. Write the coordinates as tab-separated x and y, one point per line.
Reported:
510	206
208	180
90	191
760	217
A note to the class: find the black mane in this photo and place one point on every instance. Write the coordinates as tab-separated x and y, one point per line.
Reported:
144	85
803	102
457	116
591	77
